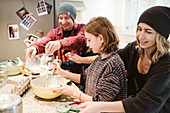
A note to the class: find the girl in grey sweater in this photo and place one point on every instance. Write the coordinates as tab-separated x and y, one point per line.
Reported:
105	78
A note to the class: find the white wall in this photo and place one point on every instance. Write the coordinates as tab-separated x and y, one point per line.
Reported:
114	10
10	49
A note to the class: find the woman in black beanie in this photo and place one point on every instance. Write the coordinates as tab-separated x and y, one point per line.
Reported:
147	62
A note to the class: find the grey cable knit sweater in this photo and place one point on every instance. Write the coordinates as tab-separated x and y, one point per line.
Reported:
106	79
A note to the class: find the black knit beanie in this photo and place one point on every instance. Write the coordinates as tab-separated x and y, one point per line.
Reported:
69	9
158	17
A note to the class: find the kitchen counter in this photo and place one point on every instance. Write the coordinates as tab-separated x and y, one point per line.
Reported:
34	104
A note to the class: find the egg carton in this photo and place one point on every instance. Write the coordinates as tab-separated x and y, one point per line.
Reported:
21	86
15	85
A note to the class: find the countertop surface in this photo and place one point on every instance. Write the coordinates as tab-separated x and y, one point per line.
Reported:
34	104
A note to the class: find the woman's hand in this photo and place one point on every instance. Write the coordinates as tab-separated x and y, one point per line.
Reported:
74	57
98	107
90	107
80	60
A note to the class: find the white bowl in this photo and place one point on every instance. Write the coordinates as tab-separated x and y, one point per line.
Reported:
14	70
41	90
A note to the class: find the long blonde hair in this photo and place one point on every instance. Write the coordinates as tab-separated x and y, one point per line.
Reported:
162	48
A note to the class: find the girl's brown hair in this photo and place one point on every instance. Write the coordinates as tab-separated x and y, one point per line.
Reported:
102	26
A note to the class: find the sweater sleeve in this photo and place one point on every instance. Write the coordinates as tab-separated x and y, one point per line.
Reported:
82	82
155	94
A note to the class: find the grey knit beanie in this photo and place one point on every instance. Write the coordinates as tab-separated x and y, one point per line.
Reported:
69	9
158	17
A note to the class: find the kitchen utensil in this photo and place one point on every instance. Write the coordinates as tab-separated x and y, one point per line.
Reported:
44	92
62	108
48	76
73	102
72	108
10	103
36	65
41	61
51	74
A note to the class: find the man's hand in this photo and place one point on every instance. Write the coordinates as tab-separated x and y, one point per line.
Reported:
51	47
30	52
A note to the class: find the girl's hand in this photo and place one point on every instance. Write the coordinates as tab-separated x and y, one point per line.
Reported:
59	70
56	65
67	90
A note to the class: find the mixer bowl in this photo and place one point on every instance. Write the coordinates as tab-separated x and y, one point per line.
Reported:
43	89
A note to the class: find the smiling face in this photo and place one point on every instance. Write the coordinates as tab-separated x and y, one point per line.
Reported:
94	42
146	36
65	22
